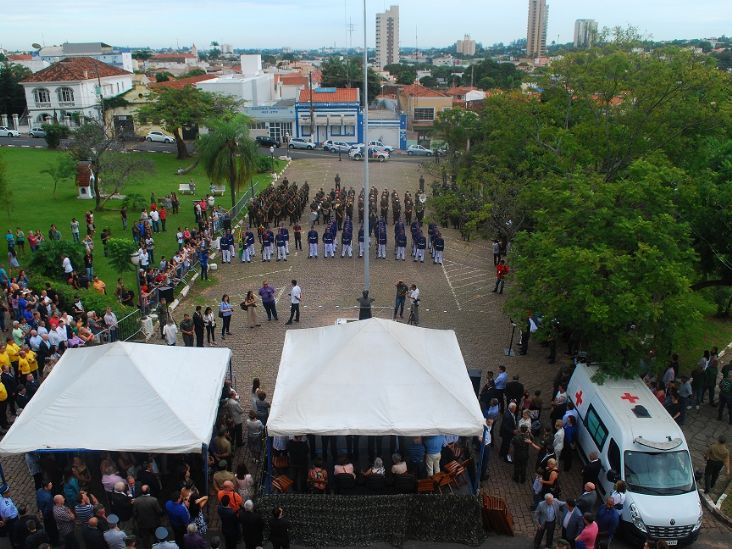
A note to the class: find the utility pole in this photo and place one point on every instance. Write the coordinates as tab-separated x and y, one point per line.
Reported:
366	232
312	112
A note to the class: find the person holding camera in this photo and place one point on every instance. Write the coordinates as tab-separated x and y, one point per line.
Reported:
414	296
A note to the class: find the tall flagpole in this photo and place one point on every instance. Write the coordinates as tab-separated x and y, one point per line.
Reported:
366	232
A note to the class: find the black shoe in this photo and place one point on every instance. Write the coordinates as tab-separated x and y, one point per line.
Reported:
288	322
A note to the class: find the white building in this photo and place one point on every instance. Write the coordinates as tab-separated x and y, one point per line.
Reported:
387	37
585	33
34	64
96	50
70	90
254	86
466	46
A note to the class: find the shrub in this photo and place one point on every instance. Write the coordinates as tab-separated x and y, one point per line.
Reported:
55	132
135	202
91	299
49	256
119	250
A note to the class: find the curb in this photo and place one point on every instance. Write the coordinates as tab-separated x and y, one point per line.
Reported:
712	508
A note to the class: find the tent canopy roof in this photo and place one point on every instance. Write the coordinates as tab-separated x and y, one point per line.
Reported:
373	377
124	397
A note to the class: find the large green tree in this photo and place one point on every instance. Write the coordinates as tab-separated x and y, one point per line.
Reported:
187	106
348	73
610	262
228	153
12	93
611	181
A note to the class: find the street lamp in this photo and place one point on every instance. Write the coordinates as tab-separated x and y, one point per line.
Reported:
135	260
271	156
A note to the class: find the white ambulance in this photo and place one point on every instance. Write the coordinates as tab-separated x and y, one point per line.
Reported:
638	441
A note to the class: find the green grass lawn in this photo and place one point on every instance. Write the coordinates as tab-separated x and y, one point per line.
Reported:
711	332
35	207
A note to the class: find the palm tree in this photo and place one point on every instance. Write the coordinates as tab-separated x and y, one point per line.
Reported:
228	153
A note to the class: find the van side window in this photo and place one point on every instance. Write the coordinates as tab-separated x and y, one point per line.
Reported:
595	427
613	454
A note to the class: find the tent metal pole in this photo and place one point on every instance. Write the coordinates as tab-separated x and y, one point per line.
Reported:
204	454
268	480
480	460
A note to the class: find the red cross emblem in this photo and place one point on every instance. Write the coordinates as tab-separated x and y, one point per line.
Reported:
630	398
578	398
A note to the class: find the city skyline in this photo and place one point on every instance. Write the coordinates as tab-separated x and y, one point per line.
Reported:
286	23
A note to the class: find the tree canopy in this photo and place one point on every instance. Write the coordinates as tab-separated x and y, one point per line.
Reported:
348	73
611	181
186	106
12	93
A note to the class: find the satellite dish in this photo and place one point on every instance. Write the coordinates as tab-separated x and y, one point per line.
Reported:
36	46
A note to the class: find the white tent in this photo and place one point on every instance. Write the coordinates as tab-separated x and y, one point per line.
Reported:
124	397
373	377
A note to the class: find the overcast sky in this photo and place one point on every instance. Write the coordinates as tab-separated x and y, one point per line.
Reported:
316	23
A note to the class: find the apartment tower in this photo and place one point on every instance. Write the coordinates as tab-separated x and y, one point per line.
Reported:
387	37
585	33
536	29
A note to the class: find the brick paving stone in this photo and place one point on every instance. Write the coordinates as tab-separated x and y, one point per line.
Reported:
454	296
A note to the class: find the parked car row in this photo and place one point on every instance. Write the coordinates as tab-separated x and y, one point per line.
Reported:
33	132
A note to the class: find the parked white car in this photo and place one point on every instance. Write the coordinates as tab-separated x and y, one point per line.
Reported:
380	145
301	143
159	137
374	154
7	132
336	146
37	132
419	150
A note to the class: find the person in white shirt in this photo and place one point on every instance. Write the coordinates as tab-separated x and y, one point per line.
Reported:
63	337
414	296
66	264
170	332
295	298
110	320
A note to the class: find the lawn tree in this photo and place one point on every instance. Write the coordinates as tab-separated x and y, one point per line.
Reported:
92	143
62	169
228	153
187	106
120	168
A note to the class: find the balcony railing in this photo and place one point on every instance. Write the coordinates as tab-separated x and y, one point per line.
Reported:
43	105
66	103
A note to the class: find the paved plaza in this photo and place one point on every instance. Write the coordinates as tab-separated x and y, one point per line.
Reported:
457	295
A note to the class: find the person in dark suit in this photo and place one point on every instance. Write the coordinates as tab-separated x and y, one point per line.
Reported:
93	536
147	513
279	528
514	390
508	429
198	326
591	470
572	522
36	536
586	502
252	525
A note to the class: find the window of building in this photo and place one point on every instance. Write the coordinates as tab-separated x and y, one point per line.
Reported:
41	95
595	427
65	95
349	130
259	126
424	113
305	131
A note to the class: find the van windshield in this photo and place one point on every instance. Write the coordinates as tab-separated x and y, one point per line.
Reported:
659	474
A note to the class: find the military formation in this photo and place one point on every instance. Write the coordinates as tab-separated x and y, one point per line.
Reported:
280	207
